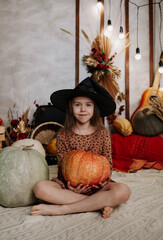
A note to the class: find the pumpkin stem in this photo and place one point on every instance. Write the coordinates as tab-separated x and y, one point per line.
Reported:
25	146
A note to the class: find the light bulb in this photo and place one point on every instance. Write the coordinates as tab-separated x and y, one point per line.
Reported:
137	55
99	5
109	27
121	33
160	67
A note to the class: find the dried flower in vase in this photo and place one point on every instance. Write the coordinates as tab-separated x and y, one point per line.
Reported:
19	127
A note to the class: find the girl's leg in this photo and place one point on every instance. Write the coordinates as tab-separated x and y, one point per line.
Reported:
52	192
111	195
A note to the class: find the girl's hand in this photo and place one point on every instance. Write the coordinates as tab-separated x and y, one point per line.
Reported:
101	185
80	188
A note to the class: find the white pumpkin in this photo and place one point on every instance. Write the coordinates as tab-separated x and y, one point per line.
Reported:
20	170
27	141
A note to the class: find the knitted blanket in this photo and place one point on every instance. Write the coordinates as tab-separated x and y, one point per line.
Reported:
140	218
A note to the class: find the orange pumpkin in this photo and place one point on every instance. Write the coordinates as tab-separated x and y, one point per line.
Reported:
52	148
80	167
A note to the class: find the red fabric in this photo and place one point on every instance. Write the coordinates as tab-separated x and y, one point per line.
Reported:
136	152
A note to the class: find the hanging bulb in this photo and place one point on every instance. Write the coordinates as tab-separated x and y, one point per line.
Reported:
137	55
109	27
99	5
121	33
160	67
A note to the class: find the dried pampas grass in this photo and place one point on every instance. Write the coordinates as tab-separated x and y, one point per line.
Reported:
86	36
107	73
100	64
102	43
64	30
110	84
25	115
90	61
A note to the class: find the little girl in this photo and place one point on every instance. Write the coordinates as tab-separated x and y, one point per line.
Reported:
83	130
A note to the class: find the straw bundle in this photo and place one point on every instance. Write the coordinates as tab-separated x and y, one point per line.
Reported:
157	105
101	65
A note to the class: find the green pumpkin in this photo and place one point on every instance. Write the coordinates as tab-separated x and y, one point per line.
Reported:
145	122
20	170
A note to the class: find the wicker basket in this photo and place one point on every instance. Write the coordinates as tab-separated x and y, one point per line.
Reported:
46	132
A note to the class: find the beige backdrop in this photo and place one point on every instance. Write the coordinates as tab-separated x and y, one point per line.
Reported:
37	58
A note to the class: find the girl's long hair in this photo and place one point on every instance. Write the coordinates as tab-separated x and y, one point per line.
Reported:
70	119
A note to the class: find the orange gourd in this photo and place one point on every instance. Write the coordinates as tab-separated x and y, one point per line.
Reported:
123	126
80	167
52	148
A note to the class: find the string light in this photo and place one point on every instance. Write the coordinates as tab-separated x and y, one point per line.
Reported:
137	55
137	49
110	26
160	67
121	33
99	5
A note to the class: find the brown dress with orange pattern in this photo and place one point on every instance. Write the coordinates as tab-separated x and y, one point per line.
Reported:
98	142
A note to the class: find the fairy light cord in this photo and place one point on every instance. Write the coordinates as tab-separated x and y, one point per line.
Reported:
109	8
121	13
143	5
147	4
137	26
160	27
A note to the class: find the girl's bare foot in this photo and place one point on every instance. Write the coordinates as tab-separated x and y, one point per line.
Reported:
46	209
106	212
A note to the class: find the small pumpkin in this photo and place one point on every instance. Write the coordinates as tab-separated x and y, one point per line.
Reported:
123	126
86	168
20	170
27	141
145	122
52	148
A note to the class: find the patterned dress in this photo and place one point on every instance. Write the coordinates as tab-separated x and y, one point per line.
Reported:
98	142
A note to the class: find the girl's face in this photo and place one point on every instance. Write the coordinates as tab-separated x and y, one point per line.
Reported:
83	109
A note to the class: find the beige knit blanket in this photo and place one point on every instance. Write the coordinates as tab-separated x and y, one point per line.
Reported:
141	218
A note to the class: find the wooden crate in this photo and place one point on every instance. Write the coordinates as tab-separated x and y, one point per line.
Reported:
2	135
